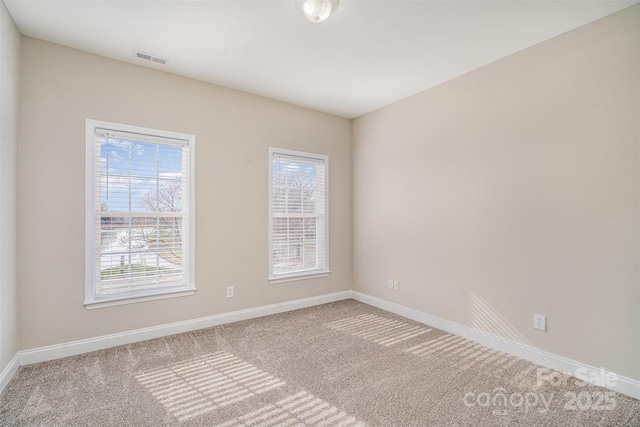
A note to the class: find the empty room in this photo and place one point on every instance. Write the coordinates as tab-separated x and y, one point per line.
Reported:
319	213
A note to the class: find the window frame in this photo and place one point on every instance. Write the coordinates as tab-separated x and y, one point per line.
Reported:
92	301
304	274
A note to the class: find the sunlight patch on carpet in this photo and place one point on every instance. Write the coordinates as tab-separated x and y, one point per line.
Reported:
442	344
462	353
301	409
197	386
378	329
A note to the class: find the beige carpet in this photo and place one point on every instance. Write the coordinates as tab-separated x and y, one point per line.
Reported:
340	364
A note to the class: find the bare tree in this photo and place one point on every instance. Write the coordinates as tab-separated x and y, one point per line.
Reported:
165	235
168	197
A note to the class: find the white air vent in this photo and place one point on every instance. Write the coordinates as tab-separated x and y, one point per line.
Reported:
149	57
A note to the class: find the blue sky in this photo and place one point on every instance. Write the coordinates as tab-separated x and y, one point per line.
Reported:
129	169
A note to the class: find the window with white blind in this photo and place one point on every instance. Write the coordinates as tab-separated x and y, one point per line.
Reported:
298	206
140	214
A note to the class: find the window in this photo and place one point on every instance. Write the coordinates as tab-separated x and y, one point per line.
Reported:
140	214
298	205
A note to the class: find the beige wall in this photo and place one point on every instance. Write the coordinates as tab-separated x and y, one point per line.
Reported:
9	93
61	87
511	190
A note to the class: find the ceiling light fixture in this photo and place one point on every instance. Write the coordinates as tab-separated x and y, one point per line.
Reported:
317	11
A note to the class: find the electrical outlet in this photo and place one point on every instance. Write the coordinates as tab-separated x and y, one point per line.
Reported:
390	284
540	322
229	291
396	285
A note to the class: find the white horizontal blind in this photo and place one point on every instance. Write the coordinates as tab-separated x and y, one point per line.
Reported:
141	225
298	209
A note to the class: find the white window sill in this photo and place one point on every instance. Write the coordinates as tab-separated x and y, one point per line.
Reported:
122	300
299	276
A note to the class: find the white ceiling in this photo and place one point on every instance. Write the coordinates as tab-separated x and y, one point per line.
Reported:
367	55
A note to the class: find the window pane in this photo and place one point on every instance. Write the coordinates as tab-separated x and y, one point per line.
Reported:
140	253
280	260
140	176
280	230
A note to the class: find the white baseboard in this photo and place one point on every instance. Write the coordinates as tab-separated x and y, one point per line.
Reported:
57	351
623	385
9	371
